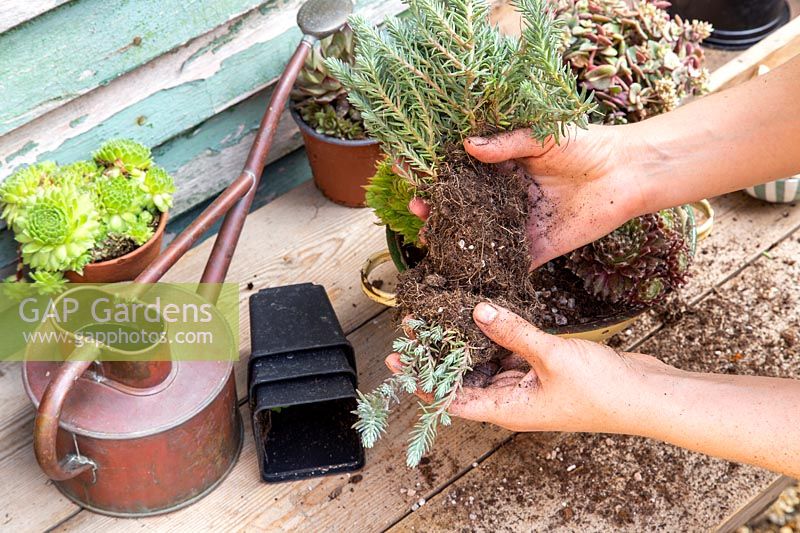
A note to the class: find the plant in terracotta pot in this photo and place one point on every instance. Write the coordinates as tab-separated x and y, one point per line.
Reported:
422	84
341	155
99	220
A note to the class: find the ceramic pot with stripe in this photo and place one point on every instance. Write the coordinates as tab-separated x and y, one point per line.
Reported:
783	191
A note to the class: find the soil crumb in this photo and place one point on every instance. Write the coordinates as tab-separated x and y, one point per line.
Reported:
478	251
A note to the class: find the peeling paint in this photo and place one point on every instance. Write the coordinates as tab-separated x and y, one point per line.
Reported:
96	28
77	121
217	43
30	145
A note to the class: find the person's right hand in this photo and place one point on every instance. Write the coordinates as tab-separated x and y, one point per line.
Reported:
586	187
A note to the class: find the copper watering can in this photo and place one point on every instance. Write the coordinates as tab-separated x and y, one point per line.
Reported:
151	435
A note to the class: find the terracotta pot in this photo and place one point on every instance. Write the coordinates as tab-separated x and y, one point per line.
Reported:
126	267
404	256
341	167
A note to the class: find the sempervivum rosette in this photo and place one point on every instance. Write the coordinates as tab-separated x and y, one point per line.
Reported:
639	263
58	229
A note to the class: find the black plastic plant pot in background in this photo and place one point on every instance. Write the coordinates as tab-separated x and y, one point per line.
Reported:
737	23
302	385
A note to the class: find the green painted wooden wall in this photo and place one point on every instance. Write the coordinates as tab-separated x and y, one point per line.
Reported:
190	78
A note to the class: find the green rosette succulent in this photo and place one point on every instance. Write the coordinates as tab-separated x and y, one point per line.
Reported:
57	230
320	98
158	187
79	174
140	229
123	156
638	263
17	190
119	201
389	194
15	289
46	282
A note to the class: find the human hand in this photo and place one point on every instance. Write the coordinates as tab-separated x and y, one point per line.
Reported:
549	383
587	189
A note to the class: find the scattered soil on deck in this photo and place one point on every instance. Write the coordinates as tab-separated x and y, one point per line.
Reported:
478	251
560	482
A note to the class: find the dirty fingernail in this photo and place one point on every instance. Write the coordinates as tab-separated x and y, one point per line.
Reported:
485	313
477	141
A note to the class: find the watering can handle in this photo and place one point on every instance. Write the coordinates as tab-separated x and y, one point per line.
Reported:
45	428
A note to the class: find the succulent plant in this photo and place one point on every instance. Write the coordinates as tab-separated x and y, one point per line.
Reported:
67	216
58	229
17	190
637	59
15	287
319	97
78	174
315	81
123	156
46	282
158	187
337	119
638	263
389	194
120	201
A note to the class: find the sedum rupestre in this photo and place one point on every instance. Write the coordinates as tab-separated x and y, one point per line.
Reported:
422	83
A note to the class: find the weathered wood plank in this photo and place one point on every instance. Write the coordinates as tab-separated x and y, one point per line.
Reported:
207	158
81	45
280	514
288	210
30	502
173	93
14	12
593	482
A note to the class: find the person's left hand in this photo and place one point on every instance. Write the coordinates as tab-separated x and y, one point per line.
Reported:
550	383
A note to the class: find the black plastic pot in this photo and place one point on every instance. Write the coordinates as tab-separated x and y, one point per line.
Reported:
737	23
302	385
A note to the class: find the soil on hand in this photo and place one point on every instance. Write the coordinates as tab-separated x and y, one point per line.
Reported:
478	251
116	245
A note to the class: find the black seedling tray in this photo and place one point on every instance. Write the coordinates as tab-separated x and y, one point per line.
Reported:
303	427
302	385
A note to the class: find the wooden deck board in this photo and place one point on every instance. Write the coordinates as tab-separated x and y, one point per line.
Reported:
311	251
